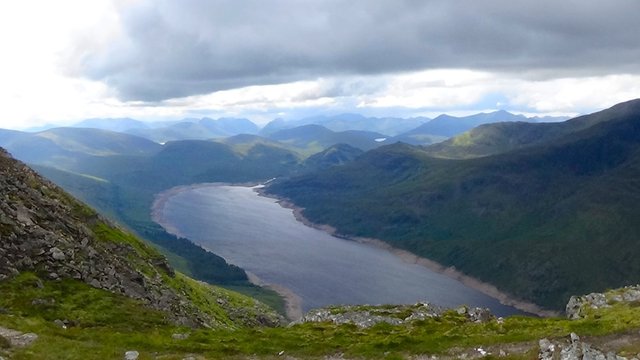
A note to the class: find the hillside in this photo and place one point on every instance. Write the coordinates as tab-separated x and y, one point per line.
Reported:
502	137
335	155
47	236
542	222
446	126
311	139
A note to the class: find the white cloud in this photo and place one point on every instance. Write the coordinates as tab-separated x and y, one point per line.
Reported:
448	88
574	94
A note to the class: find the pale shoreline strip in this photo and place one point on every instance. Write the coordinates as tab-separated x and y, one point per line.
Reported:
293	302
483	287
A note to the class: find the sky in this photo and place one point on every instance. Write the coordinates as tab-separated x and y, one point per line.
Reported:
67	60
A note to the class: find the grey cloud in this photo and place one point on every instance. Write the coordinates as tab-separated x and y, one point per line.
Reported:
179	48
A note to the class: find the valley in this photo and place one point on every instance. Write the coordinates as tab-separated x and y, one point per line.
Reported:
511	211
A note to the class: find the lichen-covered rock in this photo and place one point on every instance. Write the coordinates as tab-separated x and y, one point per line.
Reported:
17	338
365	316
573	348
476	314
578	306
547	348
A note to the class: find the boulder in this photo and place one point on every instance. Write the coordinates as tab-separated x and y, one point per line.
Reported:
131	355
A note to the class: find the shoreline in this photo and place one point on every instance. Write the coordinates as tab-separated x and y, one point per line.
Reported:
292	301
411	258
406	256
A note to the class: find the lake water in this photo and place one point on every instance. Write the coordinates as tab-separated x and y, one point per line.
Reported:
257	234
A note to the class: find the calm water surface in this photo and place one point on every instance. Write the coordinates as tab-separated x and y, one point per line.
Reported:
257	234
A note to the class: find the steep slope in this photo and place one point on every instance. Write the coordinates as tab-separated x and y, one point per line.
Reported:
496	138
542	222
46	235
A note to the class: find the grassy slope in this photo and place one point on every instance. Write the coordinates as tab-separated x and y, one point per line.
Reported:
542	223
103	325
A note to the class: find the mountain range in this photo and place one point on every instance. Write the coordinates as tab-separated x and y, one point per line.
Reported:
417	130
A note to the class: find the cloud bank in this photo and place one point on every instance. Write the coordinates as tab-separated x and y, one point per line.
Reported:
171	49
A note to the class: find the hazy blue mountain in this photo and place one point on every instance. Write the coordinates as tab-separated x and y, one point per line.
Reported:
230	126
542	119
448	126
61	147
315	138
388	125
10	135
113	124
197	129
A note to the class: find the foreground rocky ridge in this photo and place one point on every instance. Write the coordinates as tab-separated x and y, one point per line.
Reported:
570	347
45	231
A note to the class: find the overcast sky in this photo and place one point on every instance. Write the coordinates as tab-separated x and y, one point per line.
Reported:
67	60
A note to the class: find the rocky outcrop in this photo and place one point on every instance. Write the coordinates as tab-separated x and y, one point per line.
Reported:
46	231
16	338
579	306
573	348
365	316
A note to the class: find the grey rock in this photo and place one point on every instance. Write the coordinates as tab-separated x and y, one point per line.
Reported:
60	323
180	336
17	338
367	316
577	304
573	349
57	254
547	349
480	314
131	355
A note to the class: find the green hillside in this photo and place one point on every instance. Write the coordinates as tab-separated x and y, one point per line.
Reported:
502	137
541	223
311	139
